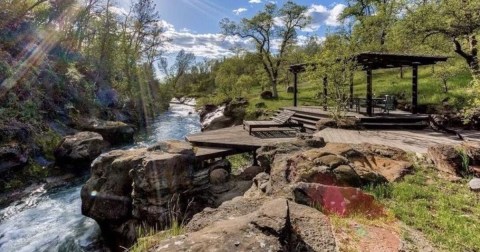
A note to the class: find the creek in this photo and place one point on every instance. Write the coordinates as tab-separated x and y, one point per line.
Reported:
51	220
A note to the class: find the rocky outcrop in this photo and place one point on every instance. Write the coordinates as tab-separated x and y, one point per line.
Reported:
153	187
446	158
264	218
334	164
13	156
277	225
116	133
76	152
228	114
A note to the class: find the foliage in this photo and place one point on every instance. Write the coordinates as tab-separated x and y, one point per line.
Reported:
48	141
148	237
337	68
264	29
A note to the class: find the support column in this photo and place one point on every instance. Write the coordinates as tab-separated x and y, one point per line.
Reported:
369	92
351	90
325	93
295	88
255	161
414	89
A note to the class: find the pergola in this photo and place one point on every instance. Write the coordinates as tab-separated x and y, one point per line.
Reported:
372	61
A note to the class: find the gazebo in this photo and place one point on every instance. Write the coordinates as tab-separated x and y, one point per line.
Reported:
370	61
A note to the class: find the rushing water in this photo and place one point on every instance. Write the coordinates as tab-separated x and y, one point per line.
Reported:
51	220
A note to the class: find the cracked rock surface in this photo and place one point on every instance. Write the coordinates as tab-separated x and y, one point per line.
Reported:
277	225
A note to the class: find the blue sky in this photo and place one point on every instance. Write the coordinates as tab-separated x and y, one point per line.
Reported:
193	25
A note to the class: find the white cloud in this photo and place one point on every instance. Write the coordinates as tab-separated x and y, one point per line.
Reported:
206	45
255	1
321	15
239	11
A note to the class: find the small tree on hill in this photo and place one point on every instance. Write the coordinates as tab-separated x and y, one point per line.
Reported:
265	29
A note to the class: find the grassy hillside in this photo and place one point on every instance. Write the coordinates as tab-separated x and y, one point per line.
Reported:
431	91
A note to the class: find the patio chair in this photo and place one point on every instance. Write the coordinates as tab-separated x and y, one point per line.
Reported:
283	119
388	104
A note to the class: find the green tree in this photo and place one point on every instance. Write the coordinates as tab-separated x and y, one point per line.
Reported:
264	29
455	20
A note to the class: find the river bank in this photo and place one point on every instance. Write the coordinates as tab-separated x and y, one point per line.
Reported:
48	216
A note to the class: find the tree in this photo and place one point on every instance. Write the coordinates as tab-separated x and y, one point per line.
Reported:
176	72
455	20
337	67
375	20
267	27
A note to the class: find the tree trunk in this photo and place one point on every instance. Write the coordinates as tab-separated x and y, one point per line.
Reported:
274	88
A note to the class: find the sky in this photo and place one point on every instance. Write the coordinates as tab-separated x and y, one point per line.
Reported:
193	25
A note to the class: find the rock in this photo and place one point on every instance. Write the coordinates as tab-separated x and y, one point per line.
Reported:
334	164
219	176
474	184
325	123
472	149
266	95
446	159
205	110
220	164
310	140
250	172
79	150
290	89
263	183
231	113
172	146
152	187
342	201
12	156
475	170
348	123
158	184
278	225
116	133
106	196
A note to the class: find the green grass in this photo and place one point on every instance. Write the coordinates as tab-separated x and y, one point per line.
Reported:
446	212
240	160
385	81
147	238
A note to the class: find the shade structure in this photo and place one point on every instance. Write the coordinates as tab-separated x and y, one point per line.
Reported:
370	61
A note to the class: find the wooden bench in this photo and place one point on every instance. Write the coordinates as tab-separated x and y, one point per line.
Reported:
280	120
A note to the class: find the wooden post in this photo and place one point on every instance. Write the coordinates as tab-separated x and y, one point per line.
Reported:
369	92
255	161
325	93
295	87
414	89
351	90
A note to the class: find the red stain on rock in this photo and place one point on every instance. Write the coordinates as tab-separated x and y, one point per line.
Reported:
338	200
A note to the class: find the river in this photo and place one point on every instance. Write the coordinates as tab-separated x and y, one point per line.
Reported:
51	220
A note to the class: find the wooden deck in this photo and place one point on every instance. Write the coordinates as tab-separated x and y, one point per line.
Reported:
237	138
409	140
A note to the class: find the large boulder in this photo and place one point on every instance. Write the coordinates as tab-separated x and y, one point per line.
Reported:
277	225
79	150
12	156
334	164
114	132
342	201
229	114
153	187
446	158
